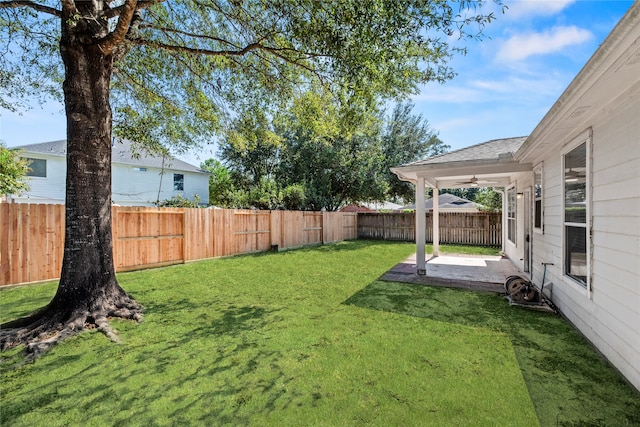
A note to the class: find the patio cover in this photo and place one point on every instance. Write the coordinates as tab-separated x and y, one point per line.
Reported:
489	164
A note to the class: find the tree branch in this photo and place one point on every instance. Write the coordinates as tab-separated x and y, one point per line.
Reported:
184	33
30	4
108	43
117	11
209	52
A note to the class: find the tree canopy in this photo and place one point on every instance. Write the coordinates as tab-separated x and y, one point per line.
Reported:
180	72
329	158
183	70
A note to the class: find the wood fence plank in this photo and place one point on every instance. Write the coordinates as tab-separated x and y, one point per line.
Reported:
32	243
6	235
455	227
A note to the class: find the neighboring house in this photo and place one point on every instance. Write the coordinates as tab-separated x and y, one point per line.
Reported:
448	203
573	196
357	208
135	181
372	207
383	206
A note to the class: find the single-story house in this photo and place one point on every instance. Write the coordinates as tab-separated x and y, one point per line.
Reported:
356	208
572	196
138	178
372	207
448	203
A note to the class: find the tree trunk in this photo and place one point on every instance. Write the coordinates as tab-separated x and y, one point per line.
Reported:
88	292
88	275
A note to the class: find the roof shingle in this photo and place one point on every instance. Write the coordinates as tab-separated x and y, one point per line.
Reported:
491	150
122	152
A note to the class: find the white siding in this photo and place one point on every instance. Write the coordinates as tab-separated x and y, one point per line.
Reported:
130	187
609	314
50	189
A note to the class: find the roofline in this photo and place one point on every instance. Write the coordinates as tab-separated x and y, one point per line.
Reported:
448	153
410	167
25	149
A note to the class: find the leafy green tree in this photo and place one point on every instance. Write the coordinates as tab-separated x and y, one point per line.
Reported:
221	186
251	147
407	137
294	197
13	172
490	199
176	72
313	155
334	158
179	201
267	195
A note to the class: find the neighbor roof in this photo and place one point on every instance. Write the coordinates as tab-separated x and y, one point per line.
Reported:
447	201
122	152
496	149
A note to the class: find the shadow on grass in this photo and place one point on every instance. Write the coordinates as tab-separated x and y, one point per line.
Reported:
569	383
193	373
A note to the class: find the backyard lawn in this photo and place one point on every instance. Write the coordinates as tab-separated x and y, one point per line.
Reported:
311	337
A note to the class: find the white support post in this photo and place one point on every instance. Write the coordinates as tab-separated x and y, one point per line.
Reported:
436	223
421	225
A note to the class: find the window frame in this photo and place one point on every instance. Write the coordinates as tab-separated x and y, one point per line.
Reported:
538	199
178	185
567	225
512	215
31	160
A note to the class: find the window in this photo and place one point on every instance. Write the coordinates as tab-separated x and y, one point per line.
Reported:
37	167
575	214
140	169
178	182
511	214
537	198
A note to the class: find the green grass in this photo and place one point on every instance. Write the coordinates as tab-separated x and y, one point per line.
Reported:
310	337
464	249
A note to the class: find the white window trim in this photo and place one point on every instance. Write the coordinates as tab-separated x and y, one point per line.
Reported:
515	218
174	181
538	230
584	289
46	168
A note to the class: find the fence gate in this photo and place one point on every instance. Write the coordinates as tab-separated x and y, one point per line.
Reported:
147	237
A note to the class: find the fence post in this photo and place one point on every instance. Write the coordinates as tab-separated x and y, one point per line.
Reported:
487	228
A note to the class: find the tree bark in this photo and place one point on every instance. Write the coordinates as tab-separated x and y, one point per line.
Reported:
88	292
88	274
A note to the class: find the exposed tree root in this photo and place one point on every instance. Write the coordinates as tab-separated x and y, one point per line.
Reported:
52	324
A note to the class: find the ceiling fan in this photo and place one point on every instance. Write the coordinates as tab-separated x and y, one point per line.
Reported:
573	175
473	182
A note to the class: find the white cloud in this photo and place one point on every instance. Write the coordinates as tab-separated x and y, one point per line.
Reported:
522	46
520	8
523	87
452	92
518	86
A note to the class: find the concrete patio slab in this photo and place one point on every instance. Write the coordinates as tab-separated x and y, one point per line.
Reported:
473	272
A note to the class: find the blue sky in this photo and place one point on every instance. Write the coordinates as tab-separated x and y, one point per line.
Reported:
505	84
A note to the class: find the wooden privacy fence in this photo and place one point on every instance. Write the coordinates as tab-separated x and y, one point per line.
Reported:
482	229
32	236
